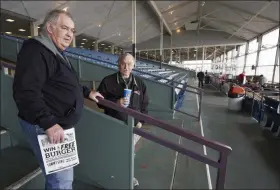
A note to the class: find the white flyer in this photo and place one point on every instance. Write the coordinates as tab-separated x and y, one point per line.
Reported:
61	156
136	138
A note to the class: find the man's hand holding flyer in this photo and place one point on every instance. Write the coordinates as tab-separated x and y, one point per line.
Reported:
61	156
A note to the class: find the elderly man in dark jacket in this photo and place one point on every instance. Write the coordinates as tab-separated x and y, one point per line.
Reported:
112	88
46	90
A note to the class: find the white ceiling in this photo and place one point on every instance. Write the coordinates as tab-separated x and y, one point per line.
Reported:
234	17
105	19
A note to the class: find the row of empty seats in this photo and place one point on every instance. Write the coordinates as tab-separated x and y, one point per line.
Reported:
143	68
110	60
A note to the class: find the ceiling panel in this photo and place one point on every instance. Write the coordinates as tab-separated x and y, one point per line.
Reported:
163	5
38	9
88	15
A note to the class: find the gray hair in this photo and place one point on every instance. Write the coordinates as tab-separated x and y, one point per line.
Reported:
52	16
126	56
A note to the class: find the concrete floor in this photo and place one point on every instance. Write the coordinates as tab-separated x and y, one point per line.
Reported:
253	164
255	160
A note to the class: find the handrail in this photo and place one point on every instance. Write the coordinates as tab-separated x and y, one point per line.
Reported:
224	150
164	125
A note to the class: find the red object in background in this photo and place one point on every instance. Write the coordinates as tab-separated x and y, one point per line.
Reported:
241	77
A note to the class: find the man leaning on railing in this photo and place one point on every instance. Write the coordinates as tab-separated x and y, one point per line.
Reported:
126	90
47	92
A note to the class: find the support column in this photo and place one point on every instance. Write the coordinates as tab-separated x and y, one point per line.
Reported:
203	52
215	49
236	57
246	55
147	54
161	42
188	54
277	61
112	49
170	49
96	46
33	29
134	29
73	44
224	57
258	53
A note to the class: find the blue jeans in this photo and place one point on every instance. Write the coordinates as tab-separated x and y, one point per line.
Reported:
59	180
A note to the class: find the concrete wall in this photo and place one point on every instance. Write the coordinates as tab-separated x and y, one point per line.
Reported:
189	39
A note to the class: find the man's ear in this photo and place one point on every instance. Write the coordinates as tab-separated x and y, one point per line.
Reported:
49	28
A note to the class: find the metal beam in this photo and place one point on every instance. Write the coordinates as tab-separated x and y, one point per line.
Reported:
211	45
245	11
235	25
155	8
258	53
178	6
147	22
277	61
107	37
67	3
187	18
133	10
225	30
246	56
124	10
248	21
198	12
256	21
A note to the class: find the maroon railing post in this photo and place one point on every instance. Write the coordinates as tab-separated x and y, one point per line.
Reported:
221	176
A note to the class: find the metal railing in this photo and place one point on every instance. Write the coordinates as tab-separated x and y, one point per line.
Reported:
172	83
223	150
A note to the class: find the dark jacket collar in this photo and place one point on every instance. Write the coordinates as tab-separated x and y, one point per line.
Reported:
118	76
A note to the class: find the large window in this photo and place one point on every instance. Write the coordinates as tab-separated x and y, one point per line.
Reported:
251	60
242	50
276	77
253	46
240	64
270	39
267	57
266	71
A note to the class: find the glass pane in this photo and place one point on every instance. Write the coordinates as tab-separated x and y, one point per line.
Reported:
277	70
251	60
240	64
276	77
270	39
253	46
266	71
267	57
242	50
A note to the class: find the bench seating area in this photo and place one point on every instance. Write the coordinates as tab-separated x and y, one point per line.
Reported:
263	108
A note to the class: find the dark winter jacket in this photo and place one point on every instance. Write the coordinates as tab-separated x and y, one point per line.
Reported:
112	88
46	88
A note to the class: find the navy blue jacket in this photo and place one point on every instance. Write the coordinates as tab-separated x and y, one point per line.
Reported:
46	88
